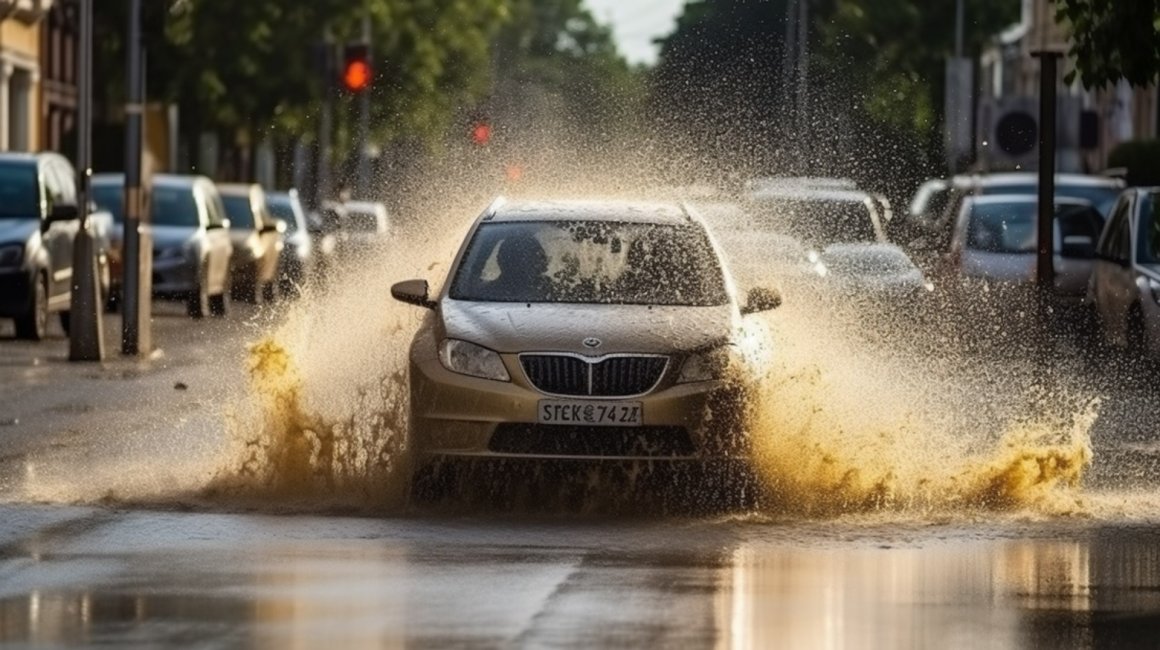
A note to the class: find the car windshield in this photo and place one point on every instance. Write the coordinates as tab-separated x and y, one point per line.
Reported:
1149	236
239	211
818	223
18	191
866	261
1010	227
173	206
283	208
590	262
1101	196
110	198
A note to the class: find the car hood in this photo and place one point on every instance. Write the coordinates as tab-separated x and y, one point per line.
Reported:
523	327
17	230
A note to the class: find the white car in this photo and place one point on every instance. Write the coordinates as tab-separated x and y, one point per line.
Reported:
1125	284
995	239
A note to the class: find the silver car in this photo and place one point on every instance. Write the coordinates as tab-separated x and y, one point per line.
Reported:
1125	284
191	242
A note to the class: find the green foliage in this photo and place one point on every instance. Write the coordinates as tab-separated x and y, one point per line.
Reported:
1113	40
1141	158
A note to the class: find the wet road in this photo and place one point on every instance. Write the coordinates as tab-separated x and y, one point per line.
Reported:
120	526
119	578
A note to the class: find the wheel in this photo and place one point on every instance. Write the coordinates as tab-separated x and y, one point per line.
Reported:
197	302
33	325
219	304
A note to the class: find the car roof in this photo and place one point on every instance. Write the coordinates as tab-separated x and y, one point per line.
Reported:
589	210
802	193
1022	198
1007	178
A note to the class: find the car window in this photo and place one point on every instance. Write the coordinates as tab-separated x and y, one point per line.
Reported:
240	211
1002	227
66	181
51	187
19	191
590	262
816	222
1149	229
283	208
1079	221
173	206
110	198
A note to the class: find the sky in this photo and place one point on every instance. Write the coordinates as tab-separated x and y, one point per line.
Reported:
635	23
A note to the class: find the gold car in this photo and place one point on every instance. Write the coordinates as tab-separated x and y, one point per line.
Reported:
580	330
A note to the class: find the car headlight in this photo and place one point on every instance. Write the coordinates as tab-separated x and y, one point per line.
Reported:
1154	285
705	366
473	360
11	255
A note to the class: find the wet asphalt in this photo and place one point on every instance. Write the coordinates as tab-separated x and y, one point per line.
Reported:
107	538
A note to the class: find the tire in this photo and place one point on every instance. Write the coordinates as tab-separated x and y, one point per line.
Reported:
197	302
33	325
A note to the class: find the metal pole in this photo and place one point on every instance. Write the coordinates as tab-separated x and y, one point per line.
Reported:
1045	262
958	29
363	176
86	331
134	327
803	64
325	125
789	51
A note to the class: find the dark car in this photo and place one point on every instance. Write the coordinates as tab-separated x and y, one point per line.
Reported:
296	263
39	222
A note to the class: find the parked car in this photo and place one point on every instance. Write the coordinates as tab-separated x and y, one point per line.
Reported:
39	222
296	264
366	225
529	352
1125	283
191	241
817	217
996	237
257	240
1099	191
871	274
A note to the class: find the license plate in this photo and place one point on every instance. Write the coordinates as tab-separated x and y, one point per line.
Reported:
609	414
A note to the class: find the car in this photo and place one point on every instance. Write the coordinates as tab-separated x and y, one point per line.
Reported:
1124	290
817	217
296	264
365	225
756	256
257	240
580	330
995	241
39	222
1099	191
189	230
871	275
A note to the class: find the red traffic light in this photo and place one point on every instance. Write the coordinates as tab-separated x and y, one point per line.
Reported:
481	133
356	68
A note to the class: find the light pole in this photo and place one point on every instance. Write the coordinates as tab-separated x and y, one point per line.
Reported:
136	288
86	331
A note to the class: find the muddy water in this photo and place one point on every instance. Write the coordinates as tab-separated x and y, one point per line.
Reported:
842	426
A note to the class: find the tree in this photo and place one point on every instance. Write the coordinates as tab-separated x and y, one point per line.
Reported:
1113	40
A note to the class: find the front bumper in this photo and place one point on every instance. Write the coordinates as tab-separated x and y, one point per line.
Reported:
457	415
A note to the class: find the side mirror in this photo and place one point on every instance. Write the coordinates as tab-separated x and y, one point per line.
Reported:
761	299
64	212
1078	247
413	292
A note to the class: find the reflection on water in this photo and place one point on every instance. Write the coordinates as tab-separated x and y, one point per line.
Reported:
1079	588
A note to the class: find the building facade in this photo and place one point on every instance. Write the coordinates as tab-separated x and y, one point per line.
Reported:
1008	71
20	73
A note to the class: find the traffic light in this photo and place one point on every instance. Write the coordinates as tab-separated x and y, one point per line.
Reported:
481	133
356	68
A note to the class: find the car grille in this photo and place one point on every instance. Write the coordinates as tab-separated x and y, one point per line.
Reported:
556	440
619	376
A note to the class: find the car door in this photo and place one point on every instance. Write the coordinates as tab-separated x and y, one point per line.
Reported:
58	235
1113	285
217	243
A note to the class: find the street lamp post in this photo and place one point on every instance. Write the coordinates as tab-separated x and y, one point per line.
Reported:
136	337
